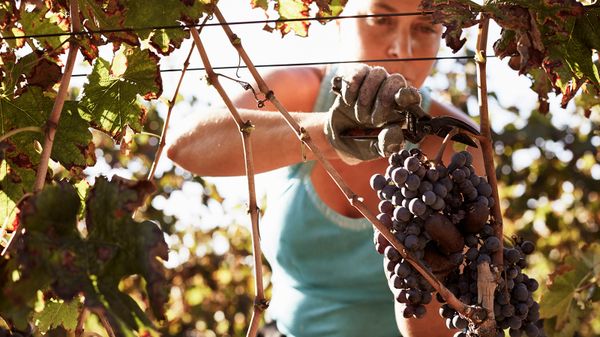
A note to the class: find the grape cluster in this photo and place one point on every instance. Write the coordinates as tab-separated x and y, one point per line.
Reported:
424	205
441	216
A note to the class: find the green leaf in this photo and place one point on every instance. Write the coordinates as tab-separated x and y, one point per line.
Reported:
293	9
40	21
57	313
559	301
164	13
73	145
107	15
110	98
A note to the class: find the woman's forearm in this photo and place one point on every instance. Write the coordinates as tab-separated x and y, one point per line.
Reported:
212	146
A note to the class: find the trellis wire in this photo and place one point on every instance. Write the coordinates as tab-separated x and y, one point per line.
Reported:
198	25
307	64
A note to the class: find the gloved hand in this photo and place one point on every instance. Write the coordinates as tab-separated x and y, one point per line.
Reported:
365	100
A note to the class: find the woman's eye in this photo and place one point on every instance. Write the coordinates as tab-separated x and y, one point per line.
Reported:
426	28
380	21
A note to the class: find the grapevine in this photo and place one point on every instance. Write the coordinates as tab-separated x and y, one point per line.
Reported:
72	252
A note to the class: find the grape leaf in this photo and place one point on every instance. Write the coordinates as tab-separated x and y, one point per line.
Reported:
116	247
110	97
107	15
73	145
292	9
329	8
40	21
57	314
560	299
8	14
264	4
164	13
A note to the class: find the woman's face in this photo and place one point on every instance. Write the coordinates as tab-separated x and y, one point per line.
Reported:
393	37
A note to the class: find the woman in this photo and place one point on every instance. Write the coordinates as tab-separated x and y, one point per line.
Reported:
327	278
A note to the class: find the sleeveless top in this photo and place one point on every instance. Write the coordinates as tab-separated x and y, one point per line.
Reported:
327	279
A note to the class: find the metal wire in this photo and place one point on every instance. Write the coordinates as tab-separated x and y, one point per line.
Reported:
304	64
234	23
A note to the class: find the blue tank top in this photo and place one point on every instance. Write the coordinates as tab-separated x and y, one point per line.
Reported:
328	280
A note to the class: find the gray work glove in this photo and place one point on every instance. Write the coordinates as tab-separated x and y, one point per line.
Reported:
365	100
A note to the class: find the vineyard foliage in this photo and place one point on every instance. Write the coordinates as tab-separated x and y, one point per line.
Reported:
92	252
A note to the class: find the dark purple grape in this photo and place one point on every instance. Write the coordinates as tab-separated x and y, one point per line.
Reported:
515	322
458	176
520	292
472	254
468	157
395	159
388	191
471	240
386	206
417	207
414	296
412	163
429	198
402	269
399	176
433	175
487	230
408	312
527	247
420	311
508	310
502	298
521	309
511	255
408	194
458	160
439	204
385	219
482	200
513	272
426	297
411	242
445	310
392	254
412	182
532	285
456	258
475	180
483	258
404	153
492	244
402	214
460	334
411	281
425	186
378	182
531	330
421	172
401	297
514	332
484	189
459	322
440	190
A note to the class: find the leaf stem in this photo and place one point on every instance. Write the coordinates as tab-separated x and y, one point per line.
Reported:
81	321
245	127
52	123
19	130
353	199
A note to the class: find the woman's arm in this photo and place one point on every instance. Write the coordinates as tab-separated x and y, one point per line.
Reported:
212	145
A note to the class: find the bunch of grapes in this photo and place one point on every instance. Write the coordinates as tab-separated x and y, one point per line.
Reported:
440	214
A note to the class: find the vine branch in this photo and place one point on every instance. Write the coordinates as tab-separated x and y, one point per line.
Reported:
245	127
52	123
354	200
19	130
163	134
486	274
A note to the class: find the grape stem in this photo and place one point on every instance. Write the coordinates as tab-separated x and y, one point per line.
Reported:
445	142
63	90
353	199
245	127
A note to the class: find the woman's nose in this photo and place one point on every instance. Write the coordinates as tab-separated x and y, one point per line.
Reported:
400	47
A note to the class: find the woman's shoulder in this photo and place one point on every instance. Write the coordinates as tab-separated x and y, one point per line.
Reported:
297	87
